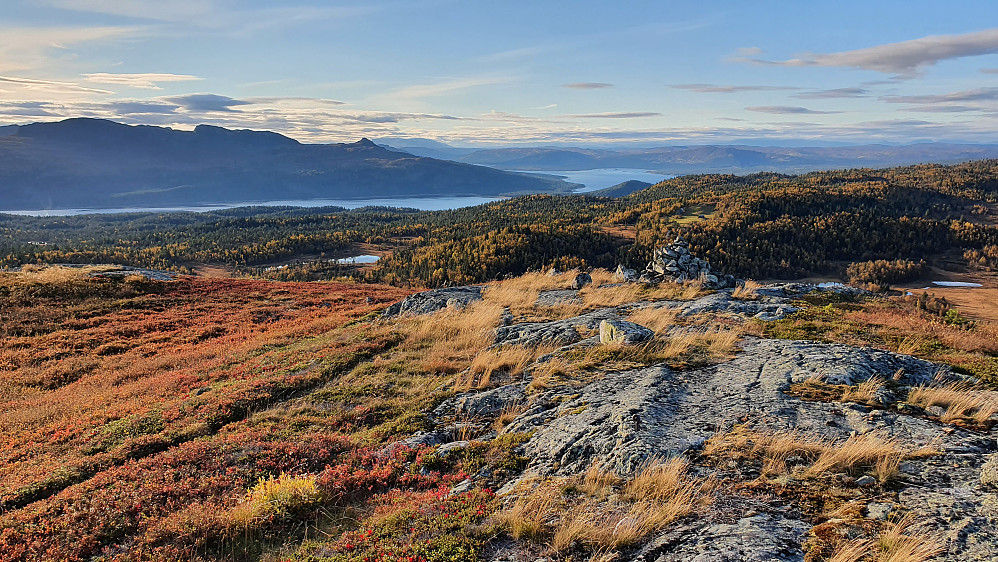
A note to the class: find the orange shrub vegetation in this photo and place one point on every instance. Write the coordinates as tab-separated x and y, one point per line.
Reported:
94	372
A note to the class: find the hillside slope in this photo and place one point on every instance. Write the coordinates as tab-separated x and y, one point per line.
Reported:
201	419
93	163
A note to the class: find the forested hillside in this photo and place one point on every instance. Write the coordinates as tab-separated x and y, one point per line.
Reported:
762	225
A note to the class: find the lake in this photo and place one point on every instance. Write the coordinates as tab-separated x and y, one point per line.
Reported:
591	179
422	203
602	178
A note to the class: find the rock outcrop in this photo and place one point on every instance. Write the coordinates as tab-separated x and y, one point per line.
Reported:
628	417
431	301
622	419
675	263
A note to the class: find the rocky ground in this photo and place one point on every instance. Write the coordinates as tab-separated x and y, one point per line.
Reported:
945	480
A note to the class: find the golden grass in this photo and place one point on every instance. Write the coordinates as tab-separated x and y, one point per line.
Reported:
57	274
897	545
867	452
506	416
509	361
722	343
527	517
852	551
598	482
603	277
599	511
864	392
596	296
746	291
960	401
580	365
657	480
901	540
520	293
882	456
658	320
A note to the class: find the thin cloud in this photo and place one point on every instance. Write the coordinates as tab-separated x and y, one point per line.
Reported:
384	117
945	108
548	106
147	81
417	91
26	109
142	108
277	100
989	71
587	85
788	110
834	93
612	115
977	94
51	86
30	48
206	102
513	54
174	10
905	59
717	89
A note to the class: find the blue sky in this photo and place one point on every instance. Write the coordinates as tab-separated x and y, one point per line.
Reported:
482	73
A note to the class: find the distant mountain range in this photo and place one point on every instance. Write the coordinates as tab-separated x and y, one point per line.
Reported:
94	163
677	160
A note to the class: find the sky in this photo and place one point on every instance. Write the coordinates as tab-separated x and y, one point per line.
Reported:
511	72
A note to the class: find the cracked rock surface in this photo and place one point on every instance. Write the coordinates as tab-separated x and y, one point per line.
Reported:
432	301
628	417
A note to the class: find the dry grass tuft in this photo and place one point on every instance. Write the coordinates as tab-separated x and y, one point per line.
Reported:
746	291
508	361
658	320
852	551
883	456
896	545
598	511
657	480
900	540
506	416
864	392
598	481
527	517
960	401
868	452
520	293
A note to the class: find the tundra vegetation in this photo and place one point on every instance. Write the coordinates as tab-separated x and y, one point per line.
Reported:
221	419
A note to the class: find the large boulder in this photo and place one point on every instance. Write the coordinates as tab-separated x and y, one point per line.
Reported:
431	301
622	331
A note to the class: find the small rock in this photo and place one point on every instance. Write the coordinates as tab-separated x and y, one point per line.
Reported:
936	411
454	446
626	274
989	473
878	511
581	280
463	486
866	481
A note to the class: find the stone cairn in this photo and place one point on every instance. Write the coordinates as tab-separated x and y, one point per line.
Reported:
676	264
